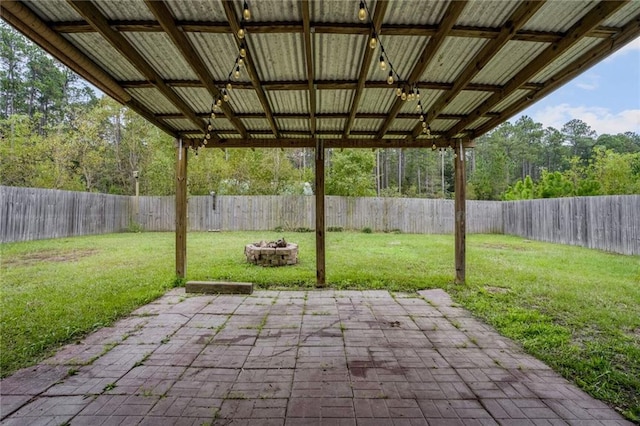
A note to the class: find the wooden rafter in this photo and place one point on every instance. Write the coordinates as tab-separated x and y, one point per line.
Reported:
183	44
249	66
325	115
580	29
327	28
518	18
333	143
308	54
365	64
630	32
117	40
428	53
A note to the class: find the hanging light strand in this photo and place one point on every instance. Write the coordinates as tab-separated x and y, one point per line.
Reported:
402	90
234	75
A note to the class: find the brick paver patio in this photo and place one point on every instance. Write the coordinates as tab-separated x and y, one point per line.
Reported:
297	358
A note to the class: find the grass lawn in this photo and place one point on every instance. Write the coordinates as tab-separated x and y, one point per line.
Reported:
576	309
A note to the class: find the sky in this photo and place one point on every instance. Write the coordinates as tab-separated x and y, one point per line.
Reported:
606	96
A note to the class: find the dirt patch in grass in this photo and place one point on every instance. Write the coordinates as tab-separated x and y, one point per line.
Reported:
504	247
496	290
29	259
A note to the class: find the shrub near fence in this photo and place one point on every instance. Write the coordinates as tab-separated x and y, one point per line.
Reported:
610	223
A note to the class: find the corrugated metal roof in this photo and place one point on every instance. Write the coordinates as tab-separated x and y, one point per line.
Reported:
439	125
337	11
198	10
221	123
197	98
256	123
427	97
55	10
402	51
479	122
452	58
162	54
412	12
101	51
279	56
272	10
405	124
336	124
566	58
487	13
218	52
622	16
514	56
181	124
328	65
506	102
153	100
289	101
465	102
367	124
237	136
132	10
334	101
245	101
297	124
376	100
559	15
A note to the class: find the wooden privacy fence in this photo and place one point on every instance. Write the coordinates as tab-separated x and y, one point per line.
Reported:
610	223
34	214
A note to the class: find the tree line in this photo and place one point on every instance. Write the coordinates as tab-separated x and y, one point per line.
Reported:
55	132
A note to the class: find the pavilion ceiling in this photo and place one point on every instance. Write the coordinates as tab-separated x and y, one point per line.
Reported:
309	72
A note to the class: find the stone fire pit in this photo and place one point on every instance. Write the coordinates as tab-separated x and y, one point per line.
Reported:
274	253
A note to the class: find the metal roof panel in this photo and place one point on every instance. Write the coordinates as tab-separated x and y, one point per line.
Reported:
452	58
54	10
336	124
181	124
289	101
506	102
346	65
334	101
623	15
411	12
245	101
367	124
297	124
337	11
487	13
513	57
160	52
581	47
376	100
465	102
256	124
559	15
131	10
197	98
153	100
198	10
105	55
402	51
218	52
278	56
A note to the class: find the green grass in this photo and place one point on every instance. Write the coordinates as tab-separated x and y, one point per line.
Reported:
576	309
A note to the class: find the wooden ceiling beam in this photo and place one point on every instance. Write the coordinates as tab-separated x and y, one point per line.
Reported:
580	29
98	21
365	64
308	55
605	48
516	21
320	116
162	13
428	53
329	143
249	65
71	27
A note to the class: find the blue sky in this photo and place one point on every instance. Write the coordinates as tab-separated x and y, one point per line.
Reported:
606	96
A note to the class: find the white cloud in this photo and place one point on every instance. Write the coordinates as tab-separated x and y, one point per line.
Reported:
633	47
589	81
602	120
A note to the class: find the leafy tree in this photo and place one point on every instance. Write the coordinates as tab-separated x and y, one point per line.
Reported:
580	137
351	173
553	185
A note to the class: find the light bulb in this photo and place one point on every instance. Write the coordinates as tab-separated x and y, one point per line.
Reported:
246	13
403	96
213	114
433	147
208	136
383	64
412	96
243	51
240	61
424	124
236	73
362	13
218	102
428	130
373	42
418	107
229	87
390	78
225	97
209	127
241	33
398	91
421	117
417	94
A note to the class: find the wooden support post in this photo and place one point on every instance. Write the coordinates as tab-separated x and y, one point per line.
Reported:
320	215
181	210
460	208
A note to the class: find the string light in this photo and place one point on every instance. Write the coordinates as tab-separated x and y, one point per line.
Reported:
243	51
383	64
240	61
236	73
373	42
390	78
362	13
225	95
229	86
241	32
399	91
246	13
218	102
